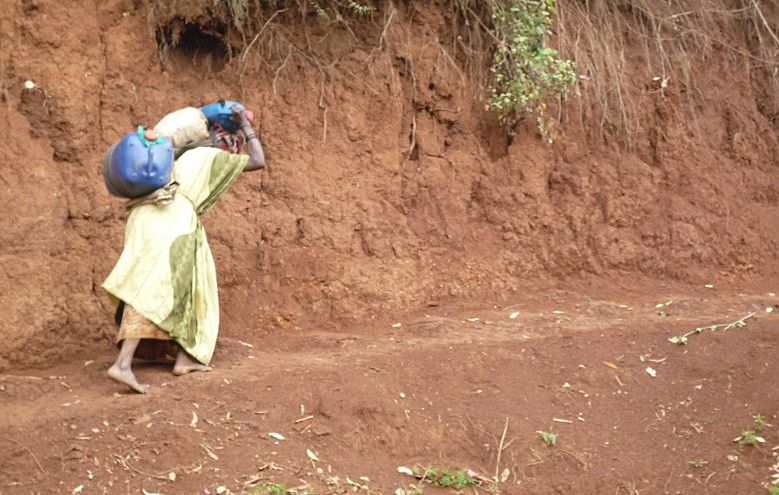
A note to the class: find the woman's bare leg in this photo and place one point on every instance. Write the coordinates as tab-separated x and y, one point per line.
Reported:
185	364
122	371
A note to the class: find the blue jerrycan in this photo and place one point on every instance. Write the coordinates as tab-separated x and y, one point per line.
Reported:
138	164
219	113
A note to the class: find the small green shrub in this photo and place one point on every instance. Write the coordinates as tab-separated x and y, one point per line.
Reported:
525	69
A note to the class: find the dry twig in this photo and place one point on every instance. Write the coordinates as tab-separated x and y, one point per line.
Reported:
765	23
31	454
500	450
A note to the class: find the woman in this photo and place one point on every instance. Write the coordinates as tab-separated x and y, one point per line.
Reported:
165	279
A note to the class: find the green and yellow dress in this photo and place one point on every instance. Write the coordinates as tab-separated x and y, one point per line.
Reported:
166	272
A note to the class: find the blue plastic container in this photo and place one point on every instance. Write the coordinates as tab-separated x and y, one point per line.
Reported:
219	113
138	164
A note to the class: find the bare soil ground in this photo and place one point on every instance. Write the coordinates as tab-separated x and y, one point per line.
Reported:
405	285
462	387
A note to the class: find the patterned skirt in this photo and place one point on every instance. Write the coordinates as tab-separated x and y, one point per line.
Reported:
155	342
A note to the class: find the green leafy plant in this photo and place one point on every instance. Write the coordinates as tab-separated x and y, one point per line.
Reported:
773	490
525	69
338	6
445	478
276	490
548	437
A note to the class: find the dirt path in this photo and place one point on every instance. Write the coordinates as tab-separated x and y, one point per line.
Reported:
446	388
390	184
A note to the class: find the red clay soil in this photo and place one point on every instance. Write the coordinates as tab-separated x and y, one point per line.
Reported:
405	285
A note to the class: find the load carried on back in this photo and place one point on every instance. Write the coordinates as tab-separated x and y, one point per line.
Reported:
142	161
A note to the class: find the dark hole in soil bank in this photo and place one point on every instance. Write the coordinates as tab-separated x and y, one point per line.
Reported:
195	45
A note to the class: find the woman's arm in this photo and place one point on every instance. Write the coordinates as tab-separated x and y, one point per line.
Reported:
253	145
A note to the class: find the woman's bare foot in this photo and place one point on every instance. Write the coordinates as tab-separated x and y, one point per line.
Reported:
127	377
185	364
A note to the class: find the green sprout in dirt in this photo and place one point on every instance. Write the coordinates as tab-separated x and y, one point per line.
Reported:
276	490
682	339
698	463
748	437
773	490
525	69
760	423
445	478
548	437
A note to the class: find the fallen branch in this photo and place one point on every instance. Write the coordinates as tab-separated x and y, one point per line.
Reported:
682	339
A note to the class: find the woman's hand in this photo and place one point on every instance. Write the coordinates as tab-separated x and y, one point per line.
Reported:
256	154
241	117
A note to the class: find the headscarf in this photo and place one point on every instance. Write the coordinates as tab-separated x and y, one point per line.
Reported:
225	140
